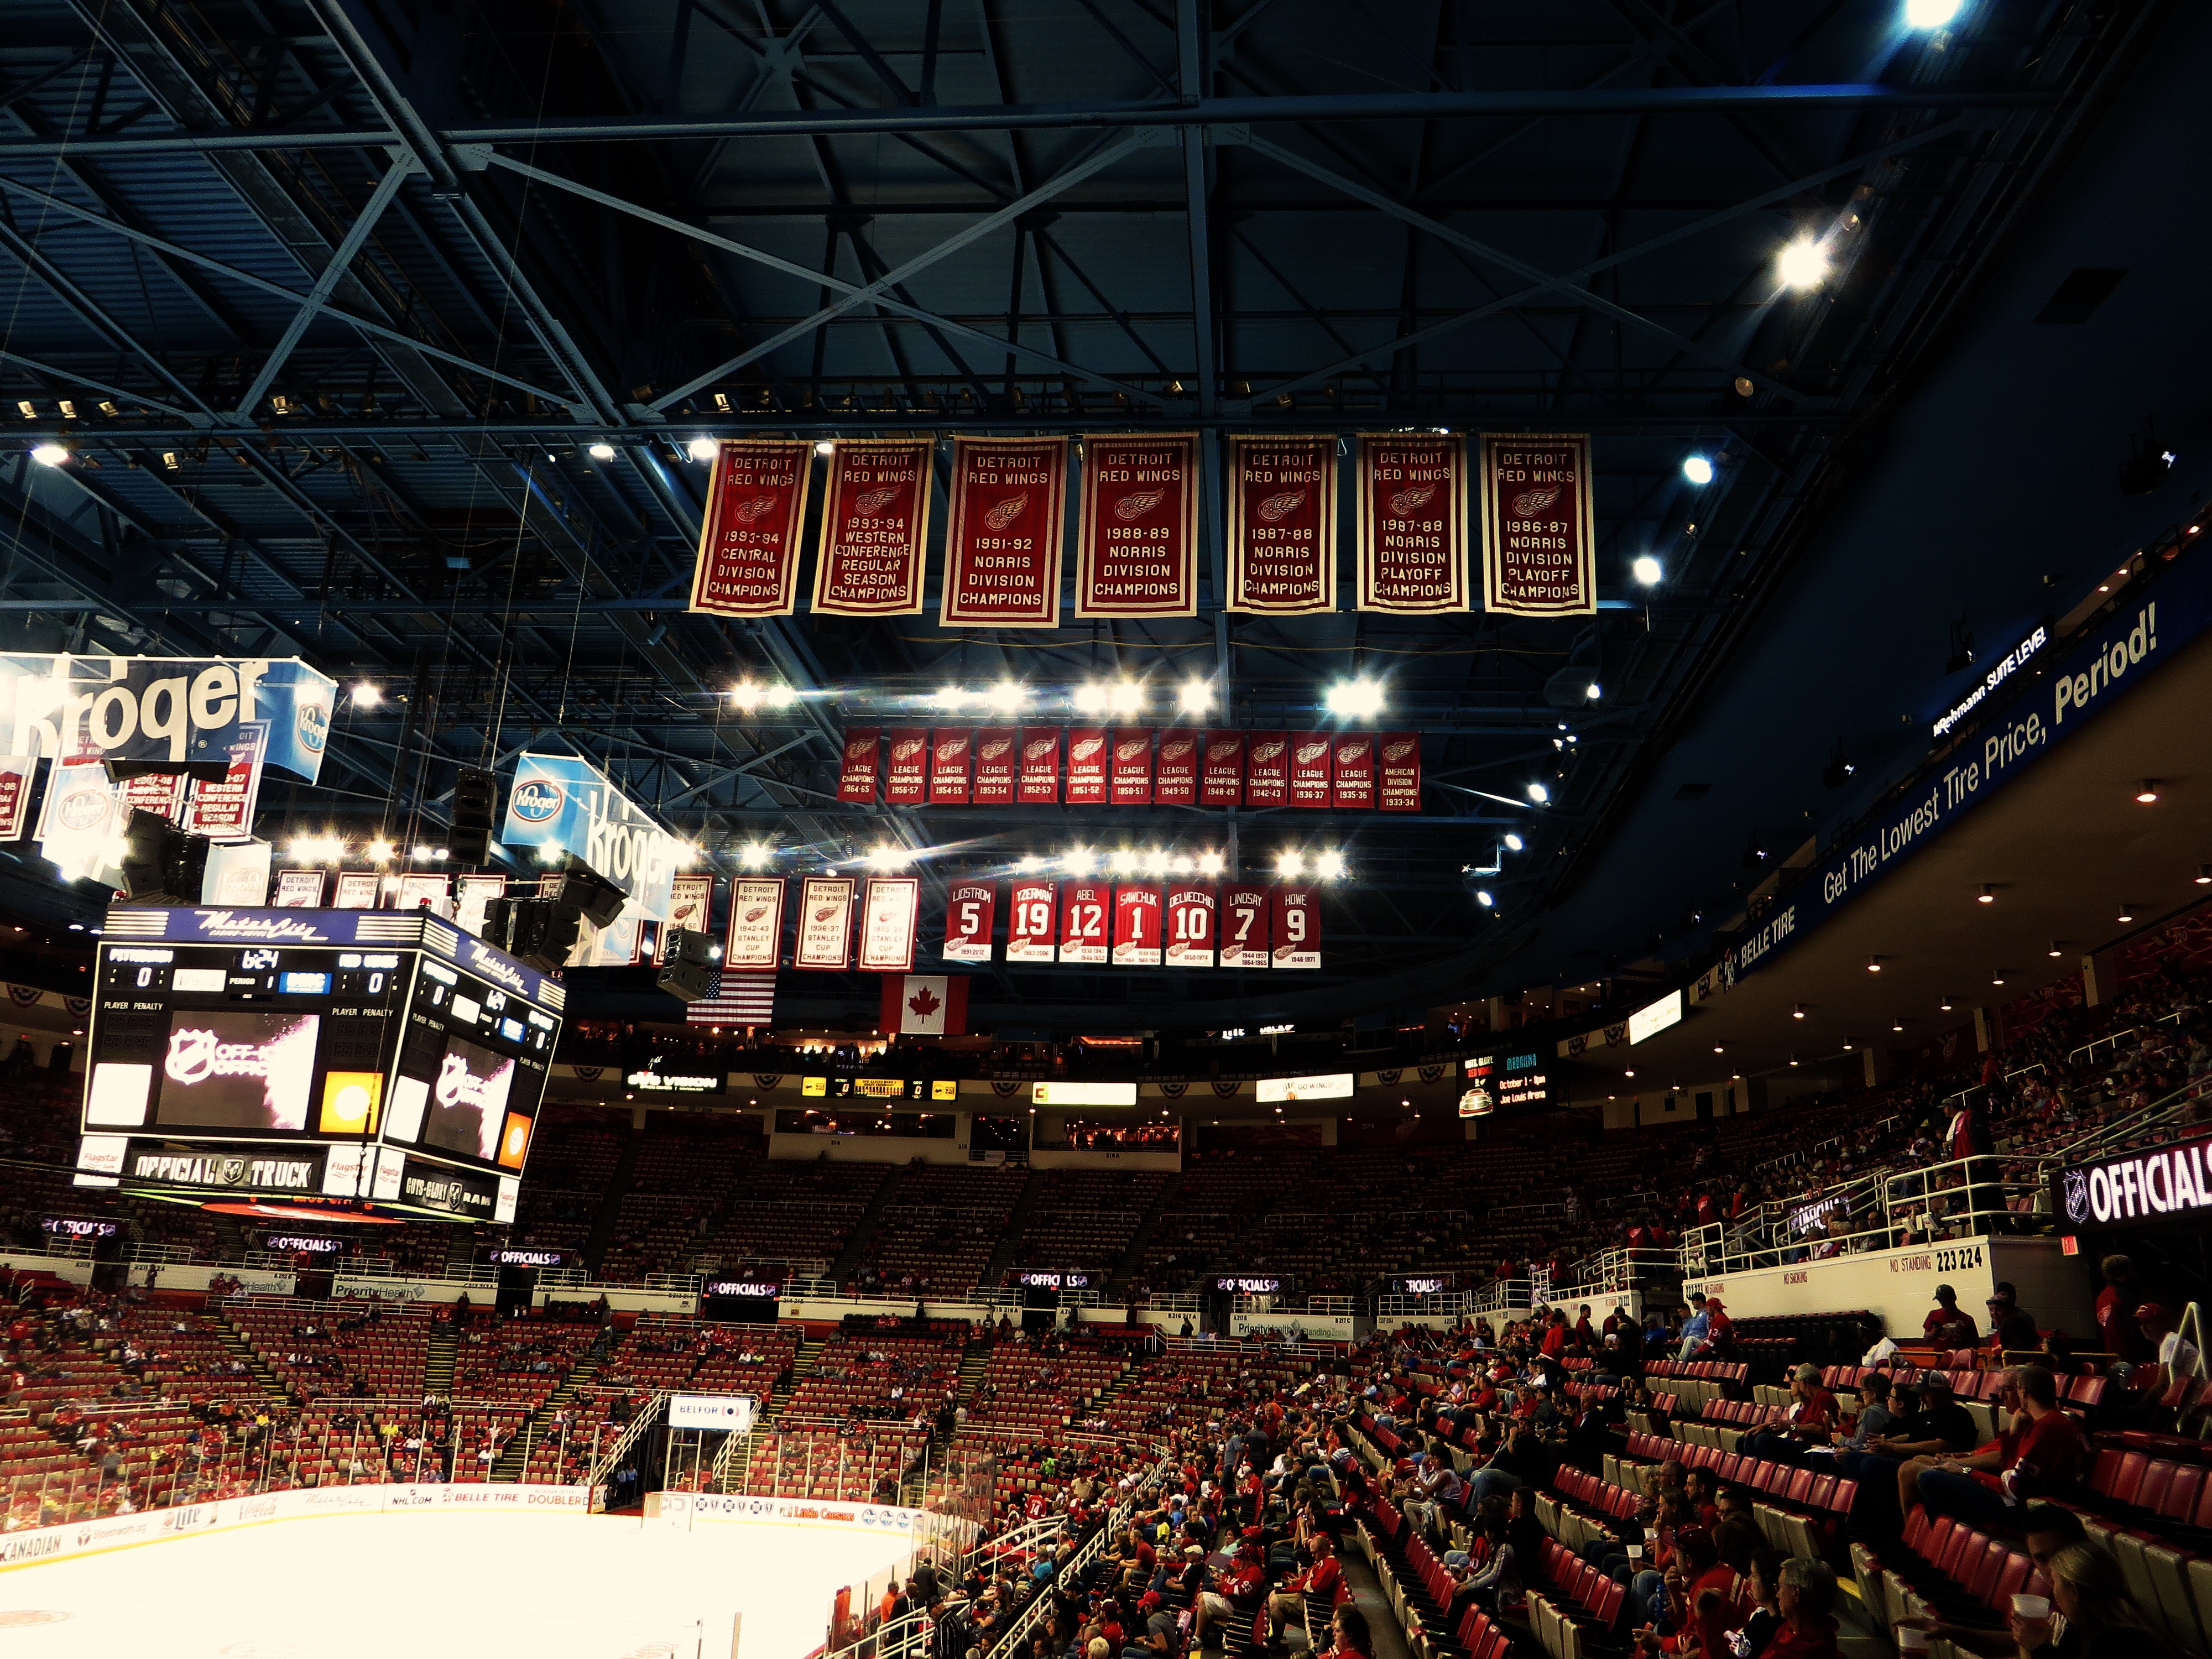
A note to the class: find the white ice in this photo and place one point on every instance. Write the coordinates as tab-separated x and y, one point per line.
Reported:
431	1586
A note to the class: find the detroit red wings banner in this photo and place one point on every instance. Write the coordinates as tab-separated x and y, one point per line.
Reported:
1175	773
1243	927
856	774
890	912
1412	522
1136	927
1038	780
1031	906
906	780
1088	758
1267	768
948	766
970	907
1538	541
1310	770
748	560
875	525
1221	772
1084	915
755	933
1190	926
1002	541
997	750
824	937
1139	548
1295	927
1131	782
1351	766
1282	523
1398	771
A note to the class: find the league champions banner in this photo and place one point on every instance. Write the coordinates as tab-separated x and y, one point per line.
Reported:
1413	523
1282	523
856	773
875	528
1004	536
690	899
565	803
1138	552
1538	536
748	561
16	773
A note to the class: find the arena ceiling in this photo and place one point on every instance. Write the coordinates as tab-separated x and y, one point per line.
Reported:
332	302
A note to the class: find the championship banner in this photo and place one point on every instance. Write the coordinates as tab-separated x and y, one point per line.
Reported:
1087	760
423	892
754	938
1175	773
1351	773
890	913
1139	548
16	772
298	889
1040	766
1412	522
1221	775
748	560
690	900
1398	772
1539	528
1309	771
856	774
222	809
1002	542
948	767
1029	921
875	527
1294	926
996	750
1244	927
162	794
969	913
906	776
1136	927
1083	918
357	889
1131	784
152	714
825	925
1267	769
1190	926
472	894
1282	523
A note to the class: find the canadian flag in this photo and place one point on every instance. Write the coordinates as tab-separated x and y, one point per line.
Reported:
924	1004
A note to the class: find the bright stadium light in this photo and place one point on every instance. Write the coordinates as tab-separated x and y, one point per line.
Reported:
1209	864
1195	697
1930	13
701	449
888	857
1028	864
366	696
1698	468
1354	699
1539	795
1330	865
1290	864
1803	263
1091	699
601	451
1078	861
1482	897
1513	842
49	454
1005	696
1124	861
1128	698
1647	570
756	855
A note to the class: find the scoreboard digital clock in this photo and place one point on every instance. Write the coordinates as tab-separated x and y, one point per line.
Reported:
371	1056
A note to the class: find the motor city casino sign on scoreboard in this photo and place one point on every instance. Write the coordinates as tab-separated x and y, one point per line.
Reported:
264	1055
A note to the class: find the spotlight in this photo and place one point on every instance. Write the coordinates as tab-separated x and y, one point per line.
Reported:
1196	697
2146	790
1539	795
1793	1059
746	695
824	446
1646	570
1209	864
1091	699
1798	1012
1997	976
1513	842
1482	897
1124	861
1181	863
1945	1004
1078	861
2127	911
888	857
1697	469
49	454
949	696
1803	263
421	851
601	451
366	696
1720	1048
701	449
1930	13
381	852
1988	895
2056	950
1290	864
1873	964
780	696
1330	865
1897	1025
1128	698
2204	874
1354	699
757	855
1007	697
1593	691
1630	1072
1156	862
1847	1045
1028	864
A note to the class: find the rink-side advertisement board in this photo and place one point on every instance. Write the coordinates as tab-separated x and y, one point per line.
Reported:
688	1508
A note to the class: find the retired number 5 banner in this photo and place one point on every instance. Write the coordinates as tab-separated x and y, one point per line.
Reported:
1138	556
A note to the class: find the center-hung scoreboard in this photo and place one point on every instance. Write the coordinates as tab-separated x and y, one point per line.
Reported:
382	1062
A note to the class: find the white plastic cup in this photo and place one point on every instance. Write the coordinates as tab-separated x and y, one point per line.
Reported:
1911	1639
1636	1552
2032	1606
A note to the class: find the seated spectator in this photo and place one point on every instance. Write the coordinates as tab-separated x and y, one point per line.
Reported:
1804	1601
1809	1421
1949	1325
2039	1453
2102	1620
1875	1415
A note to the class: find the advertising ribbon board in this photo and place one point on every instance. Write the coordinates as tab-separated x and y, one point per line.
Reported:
565	802
826	923
1539	537
1282	523
1139	548
748	560
755	933
1002	545
875	527
970	911
1413	523
890	912
152	714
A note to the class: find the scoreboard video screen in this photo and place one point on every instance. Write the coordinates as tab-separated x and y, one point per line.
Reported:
358	1055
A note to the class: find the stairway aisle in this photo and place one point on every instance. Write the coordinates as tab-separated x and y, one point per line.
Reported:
847	1261
510	1465
1010	1241
1135	1255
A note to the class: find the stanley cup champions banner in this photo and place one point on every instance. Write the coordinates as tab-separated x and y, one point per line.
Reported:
1282	523
1139	549
1002	542
748	562
1539	541
875	525
1412	522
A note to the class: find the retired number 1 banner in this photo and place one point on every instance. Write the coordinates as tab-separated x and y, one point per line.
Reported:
875	525
1539	547
1002	542
1282	524
1140	543
1412	522
748	563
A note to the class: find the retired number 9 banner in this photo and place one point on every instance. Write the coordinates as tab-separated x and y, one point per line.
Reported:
1138	550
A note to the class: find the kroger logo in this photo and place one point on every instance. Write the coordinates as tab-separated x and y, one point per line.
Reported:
535	799
85	809
313	722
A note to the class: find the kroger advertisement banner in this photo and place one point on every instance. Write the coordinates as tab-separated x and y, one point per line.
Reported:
166	711
560	803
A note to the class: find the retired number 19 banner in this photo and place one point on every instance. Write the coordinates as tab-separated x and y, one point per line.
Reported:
1139	545
1282	523
748	563
1412	522
1002	542
875	525
1538	548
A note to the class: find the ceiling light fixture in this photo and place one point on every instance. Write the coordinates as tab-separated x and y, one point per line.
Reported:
1593	691
1195	696
49	454
2204	874
702	449
1988	895
1358	699
1483	896
1209	864
1330	865
2057	949
2127	911
1513	842
1539	795
1289	863
601	451
1128	698
1930	13
1646	570
366	696
1007	697
2146	790
1798	1012
1697	469
756	855
1945	1004
1873	964
1803	263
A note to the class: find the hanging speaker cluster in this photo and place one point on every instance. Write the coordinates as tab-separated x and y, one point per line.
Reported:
476	807
162	864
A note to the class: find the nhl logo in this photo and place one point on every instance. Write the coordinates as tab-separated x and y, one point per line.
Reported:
2077	1196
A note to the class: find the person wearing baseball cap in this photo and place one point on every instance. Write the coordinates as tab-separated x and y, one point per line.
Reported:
1934	1427
1947	1324
2175	1353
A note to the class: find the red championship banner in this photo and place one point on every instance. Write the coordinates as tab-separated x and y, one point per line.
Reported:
969	909
1243	927
1139	551
1221	775
890	914
748	563
856	774
691	900
1351	773
1398	771
1002	542
222	809
755	940
1131	784
875	527
1282	523
1136	927
1539	536
949	753
825	925
1175	774
906	781
1310	770
1088	757
1039	778
1190	927
1412	522
1267	768
997	748
1294	926
16	772
1083	918
1031	906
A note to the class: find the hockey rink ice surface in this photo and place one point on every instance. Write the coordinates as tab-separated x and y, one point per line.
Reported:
444	1587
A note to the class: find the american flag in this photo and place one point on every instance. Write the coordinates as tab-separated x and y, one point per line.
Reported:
740	1000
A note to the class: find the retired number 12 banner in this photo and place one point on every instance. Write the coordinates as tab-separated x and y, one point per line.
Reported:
1282	523
1002	542
875	525
1412	522
1140	543
748	563
1539	547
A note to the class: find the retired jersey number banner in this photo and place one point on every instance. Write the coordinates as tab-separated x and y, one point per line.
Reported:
1282	523
1138	553
1412	522
1243	927
748	563
969	907
1295	928
875	525
825	925
1084	908
755	933
1538	543
1033	904
890	912
1190	926
1137	926
1002	542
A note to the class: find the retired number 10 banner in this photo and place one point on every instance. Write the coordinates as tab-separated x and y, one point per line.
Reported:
1538	548
1412	522
1139	545
748	563
1282	523
875	527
